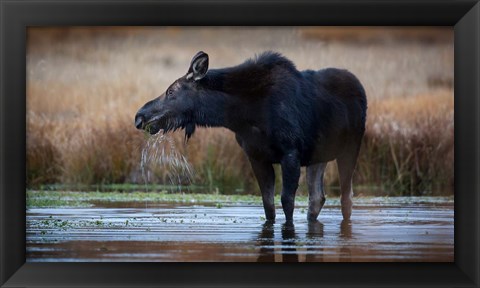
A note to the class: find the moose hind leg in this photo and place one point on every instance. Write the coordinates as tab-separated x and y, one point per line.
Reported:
290	175
346	166
316	192
266	180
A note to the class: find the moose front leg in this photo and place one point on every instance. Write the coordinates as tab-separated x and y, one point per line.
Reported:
266	180
290	176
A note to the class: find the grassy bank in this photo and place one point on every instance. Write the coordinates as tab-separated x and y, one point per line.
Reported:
56	199
83	199
84	88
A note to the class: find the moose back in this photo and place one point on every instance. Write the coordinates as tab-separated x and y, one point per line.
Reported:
279	116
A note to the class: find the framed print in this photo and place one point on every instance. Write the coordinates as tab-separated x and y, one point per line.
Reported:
97	188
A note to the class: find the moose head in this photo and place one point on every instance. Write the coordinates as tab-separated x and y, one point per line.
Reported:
175	108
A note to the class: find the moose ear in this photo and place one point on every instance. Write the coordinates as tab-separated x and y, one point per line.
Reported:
198	66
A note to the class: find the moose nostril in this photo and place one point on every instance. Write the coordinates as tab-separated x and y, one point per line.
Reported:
139	122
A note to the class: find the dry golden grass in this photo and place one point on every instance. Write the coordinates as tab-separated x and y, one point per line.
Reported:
84	87
409	144
367	35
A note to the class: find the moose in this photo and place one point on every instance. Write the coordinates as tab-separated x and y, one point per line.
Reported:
279	115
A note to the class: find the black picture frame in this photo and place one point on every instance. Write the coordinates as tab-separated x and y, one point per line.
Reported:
16	15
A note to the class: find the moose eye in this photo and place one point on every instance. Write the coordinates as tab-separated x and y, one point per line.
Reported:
169	92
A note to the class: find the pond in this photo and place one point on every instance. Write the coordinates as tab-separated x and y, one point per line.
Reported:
400	229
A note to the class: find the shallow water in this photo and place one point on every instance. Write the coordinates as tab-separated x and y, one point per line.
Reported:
179	232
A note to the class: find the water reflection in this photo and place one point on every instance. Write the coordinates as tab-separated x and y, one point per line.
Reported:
314	236
266	242
345	233
291	243
289	250
346	229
